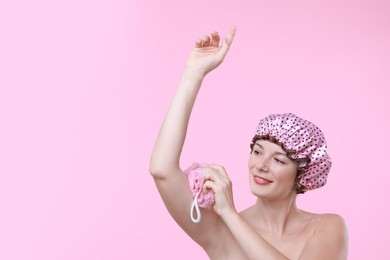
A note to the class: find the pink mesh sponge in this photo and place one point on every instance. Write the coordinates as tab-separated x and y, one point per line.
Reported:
303	142
195	177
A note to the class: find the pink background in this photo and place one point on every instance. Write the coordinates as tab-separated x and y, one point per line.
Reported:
85	85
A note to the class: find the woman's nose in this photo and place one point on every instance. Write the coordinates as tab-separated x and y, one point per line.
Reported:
262	165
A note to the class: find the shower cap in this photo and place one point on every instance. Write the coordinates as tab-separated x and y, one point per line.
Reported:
303	142
195	177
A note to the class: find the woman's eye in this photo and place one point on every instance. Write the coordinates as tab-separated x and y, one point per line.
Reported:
279	161
256	152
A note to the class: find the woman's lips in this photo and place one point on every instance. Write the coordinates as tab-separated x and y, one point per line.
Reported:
261	181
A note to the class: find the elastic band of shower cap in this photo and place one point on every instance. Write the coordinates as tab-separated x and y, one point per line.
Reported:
303	142
195	178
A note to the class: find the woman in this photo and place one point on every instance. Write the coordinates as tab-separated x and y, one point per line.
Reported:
280	167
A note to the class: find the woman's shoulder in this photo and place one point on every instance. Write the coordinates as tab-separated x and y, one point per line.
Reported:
329	221
330	230
327	217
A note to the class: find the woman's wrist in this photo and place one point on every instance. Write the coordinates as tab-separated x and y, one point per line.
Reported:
193	73
229	215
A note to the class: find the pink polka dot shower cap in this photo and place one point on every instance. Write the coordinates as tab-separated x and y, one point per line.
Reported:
303	142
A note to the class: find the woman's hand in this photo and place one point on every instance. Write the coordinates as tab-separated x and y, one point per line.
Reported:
217	180
208	53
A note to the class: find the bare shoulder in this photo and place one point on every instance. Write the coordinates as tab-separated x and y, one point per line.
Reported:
331	226
329	238
329	221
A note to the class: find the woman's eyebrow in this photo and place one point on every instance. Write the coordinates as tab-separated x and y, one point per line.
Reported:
280	153
277	153
259	145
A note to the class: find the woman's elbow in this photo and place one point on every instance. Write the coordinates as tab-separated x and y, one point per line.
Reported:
159	171
156	172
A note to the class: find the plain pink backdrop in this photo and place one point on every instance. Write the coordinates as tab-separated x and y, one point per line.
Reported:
84	86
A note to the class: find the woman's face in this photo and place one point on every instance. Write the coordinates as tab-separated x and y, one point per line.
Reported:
271	173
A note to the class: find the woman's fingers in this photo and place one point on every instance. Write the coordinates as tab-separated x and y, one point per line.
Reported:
205	41
220	169
226	43
212	174
216	176
217	181
230	36
198	43
215	38
207	186
214	41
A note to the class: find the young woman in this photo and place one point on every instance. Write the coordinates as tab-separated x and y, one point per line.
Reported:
288	156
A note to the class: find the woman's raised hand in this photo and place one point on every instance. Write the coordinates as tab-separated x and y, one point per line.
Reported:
209	53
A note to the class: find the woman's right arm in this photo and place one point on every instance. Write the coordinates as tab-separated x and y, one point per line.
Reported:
164	165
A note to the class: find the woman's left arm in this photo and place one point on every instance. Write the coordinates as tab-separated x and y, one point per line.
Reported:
329	240
252	244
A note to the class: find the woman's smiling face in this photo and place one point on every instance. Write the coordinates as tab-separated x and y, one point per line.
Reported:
271	173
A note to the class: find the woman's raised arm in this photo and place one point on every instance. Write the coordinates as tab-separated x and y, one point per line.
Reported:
207	55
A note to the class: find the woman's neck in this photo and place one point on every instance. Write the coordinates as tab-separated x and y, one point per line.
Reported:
276	216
